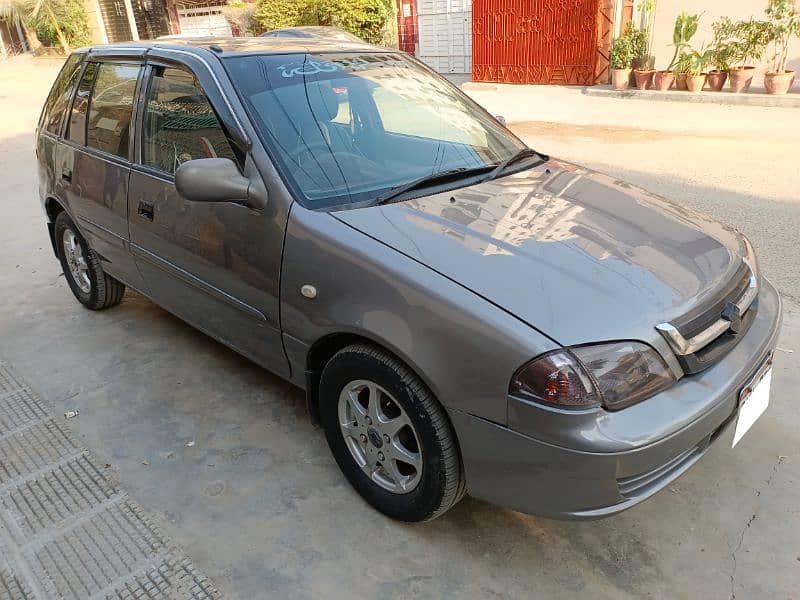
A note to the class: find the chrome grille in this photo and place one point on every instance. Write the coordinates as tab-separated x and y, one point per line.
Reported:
692	336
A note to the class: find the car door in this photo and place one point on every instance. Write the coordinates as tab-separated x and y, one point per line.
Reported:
216	265
94	160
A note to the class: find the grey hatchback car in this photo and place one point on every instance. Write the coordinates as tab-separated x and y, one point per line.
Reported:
465	314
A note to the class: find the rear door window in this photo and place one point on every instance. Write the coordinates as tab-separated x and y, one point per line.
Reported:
111	108
77	120
57	102
179	122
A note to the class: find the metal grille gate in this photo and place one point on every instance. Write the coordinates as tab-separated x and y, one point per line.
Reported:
537	41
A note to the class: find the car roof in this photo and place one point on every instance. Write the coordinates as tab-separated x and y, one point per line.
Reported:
243	45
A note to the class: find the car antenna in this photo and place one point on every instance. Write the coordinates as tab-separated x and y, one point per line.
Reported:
216	48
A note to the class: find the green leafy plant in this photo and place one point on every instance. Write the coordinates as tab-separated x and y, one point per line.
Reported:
637	38
277	14
697	61
750	41
241	16
647	9
364	18
621	55
685	28
683	64
58	22
784	24
722	47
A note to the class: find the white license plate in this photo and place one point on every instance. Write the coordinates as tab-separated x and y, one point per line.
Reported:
753	402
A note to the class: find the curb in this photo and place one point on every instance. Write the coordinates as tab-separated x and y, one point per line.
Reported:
791	100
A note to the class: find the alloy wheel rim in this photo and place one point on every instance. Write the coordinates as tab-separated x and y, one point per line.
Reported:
380	436
76	262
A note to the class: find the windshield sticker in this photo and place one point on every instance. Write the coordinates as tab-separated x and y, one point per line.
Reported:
308	67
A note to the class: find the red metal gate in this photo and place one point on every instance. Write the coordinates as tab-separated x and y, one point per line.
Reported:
407	30
536	41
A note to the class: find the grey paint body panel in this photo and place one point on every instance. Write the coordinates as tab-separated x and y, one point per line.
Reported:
464	286
576	254
534	475
464	349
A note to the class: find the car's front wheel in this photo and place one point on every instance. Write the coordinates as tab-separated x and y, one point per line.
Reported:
82	269
389	435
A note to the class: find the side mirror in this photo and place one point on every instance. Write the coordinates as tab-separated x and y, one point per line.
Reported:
502	120
217	180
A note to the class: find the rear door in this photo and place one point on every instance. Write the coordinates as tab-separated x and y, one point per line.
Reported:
95	160
216	265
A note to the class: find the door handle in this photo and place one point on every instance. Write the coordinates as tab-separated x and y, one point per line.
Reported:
145	210
66	175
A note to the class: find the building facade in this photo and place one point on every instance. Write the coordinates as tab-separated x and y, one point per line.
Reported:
123	20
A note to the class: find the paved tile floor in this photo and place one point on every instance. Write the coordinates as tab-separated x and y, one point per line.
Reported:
67	529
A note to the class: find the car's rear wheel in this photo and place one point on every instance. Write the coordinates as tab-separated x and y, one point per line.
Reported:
82	269
389	435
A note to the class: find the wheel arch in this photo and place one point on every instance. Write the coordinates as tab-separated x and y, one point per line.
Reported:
52	208
323	349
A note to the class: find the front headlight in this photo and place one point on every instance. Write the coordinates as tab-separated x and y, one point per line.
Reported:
614	375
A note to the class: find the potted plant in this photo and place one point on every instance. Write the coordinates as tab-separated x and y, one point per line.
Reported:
641	43
784	23
620	59
696	63
682	69
751	39
663	80
685	28
640	60
721	53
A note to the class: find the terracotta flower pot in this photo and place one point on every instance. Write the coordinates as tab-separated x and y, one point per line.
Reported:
644	79
778	83
663	80
680	82
619	79
716	80
741	78
695	83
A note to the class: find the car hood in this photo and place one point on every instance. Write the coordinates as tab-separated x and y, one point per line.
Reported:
576	254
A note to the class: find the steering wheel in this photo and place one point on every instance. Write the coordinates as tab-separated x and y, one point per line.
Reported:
309	148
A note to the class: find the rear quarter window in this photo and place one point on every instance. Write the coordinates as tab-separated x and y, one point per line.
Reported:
55	107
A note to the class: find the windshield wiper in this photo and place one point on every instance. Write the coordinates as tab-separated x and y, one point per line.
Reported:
433	179
524	153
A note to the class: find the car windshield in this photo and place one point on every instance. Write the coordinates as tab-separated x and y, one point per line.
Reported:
347	128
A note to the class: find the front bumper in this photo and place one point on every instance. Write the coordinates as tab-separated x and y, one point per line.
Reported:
604	463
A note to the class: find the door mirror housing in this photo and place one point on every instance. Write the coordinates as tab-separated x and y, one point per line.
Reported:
502	120
217	180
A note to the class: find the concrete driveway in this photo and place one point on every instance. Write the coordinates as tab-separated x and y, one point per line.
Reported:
222	457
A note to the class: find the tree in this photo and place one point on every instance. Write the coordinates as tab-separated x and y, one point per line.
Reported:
277	14
363	18
64	20
45	10
241	16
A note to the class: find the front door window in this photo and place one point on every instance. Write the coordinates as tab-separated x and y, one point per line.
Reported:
179	123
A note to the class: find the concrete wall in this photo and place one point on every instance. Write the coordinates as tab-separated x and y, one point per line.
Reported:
737	10
96	26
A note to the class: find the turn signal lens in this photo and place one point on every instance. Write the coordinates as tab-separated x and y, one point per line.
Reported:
556	379
615	375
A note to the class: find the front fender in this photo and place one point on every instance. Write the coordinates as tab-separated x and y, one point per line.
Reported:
462	346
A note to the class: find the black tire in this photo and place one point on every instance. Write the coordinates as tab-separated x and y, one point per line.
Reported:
441	484
104	291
